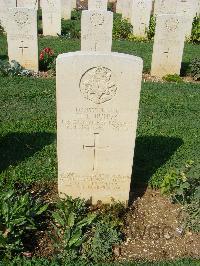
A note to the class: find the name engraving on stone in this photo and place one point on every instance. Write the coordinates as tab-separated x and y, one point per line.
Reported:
98	85
96	119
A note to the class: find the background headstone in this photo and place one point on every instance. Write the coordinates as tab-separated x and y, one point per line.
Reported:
119	7
22	37
168	45
140	17
97	109
187	8
66	9
97	4
51	17
126	7
73	4
96	30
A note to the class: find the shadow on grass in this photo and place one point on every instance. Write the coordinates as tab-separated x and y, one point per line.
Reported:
150	154
16	147
3	57
185	69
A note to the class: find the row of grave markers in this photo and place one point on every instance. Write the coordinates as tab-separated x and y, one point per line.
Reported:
138	12
52	12
96	35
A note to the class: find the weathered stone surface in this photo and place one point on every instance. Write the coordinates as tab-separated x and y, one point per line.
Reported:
168	45
96	30
165	7
22	37
97	109
97	4
140	17
28	3
51	17
4	5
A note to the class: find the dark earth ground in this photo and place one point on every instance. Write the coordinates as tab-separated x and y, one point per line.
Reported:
152	229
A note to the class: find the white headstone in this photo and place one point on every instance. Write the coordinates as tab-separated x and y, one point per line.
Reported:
51	17
141	12
119	7
187	8
126	7
168	45
73	4
97	108
96	30
97	4
22	37
66	9
28	3
4	5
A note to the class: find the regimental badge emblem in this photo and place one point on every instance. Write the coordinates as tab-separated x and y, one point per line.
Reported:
98	85
21	18
172	24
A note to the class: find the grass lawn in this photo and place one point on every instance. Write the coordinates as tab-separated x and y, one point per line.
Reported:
168	130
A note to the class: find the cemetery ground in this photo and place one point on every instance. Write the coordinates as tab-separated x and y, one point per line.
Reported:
155	227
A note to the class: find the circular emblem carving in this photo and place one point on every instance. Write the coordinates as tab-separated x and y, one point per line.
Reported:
98	85
97	19
21	18
172	24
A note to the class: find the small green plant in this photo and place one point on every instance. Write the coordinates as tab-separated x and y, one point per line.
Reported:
133	38
105	237
47	59
121	28
195	68
173	78
184	189
152	27
13	69
19	215
1	29
71	29
70	223
195	36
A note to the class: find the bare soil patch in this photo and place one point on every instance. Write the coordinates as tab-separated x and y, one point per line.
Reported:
153	231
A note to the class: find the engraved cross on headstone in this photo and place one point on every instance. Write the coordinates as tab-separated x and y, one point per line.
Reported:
95	147
23	47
